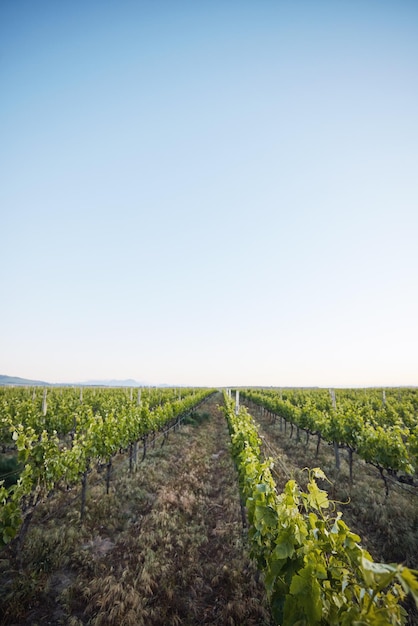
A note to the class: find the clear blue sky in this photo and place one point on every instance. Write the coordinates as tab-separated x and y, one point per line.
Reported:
211	192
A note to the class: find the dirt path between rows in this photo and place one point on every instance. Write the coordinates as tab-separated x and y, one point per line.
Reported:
165	547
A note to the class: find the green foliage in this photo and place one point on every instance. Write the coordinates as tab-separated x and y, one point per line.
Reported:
60	446
315	570
195	418
385	447
10	469
383	433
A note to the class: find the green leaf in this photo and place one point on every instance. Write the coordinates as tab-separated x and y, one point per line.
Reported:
306	589
409	581
377	575
318	498
285	545
265	514
8	534
318	473
275	566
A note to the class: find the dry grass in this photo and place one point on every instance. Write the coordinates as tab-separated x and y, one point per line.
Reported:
164	547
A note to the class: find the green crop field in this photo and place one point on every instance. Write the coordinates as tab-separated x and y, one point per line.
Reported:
178	506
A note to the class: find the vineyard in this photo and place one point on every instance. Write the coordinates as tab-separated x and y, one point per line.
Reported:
381	429
176	506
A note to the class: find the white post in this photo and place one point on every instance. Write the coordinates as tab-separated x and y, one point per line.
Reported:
333	399
336	447
131	394
236	402
139	397
44	406
81	395
384	397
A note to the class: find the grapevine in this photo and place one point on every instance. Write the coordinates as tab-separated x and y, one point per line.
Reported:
59	449
315	570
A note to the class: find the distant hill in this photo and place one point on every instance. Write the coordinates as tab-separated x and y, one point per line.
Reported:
15	380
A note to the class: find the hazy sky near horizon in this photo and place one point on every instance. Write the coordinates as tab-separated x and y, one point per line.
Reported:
210	193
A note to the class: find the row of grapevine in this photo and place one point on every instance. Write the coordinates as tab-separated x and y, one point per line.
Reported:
50	461
315	571
59	408
384	435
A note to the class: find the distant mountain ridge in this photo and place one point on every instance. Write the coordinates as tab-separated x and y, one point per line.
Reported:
16	380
